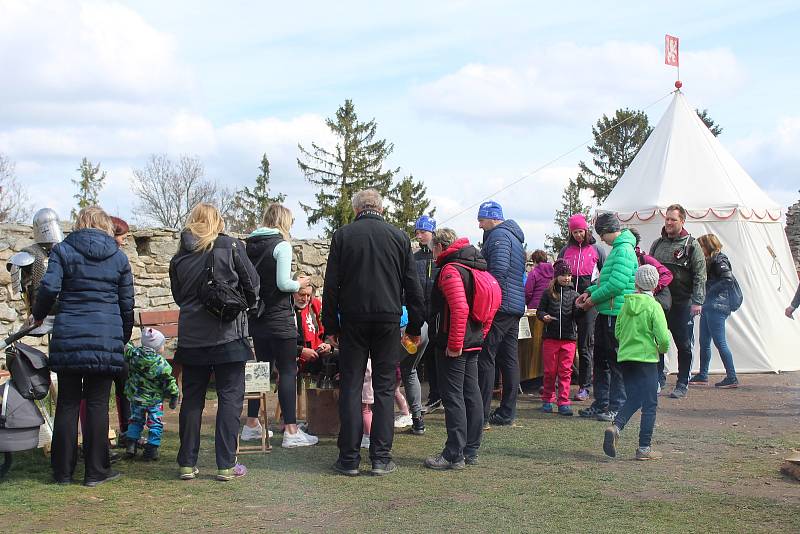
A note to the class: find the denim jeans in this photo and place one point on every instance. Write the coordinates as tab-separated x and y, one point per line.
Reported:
609	386
641	385
712	328
408	372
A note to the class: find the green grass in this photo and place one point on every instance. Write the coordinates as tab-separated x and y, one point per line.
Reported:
547	474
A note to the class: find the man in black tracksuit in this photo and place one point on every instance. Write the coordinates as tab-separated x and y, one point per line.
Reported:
370	269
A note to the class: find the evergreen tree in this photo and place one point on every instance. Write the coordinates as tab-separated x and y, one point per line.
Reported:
571	204
89	184
355	163
617	140
249	204
409	202
715	128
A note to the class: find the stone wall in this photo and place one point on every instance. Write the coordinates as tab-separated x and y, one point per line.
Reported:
793	232
149	251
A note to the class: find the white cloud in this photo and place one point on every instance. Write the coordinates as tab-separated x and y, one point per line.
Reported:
570	84
61	60
773	158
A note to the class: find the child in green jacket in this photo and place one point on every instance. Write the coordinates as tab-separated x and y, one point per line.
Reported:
642	333
149	381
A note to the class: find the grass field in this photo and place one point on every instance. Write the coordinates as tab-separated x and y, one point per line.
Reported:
546	474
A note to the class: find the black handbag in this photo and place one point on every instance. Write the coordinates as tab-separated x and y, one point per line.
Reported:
219	297
29	371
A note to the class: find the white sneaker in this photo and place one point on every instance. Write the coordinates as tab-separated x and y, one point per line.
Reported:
252	433
298	439
365	441
403	421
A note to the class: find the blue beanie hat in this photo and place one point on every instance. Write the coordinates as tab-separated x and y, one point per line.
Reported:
491	210
425	223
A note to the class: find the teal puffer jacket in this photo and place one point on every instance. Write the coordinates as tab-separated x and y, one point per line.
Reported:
617	277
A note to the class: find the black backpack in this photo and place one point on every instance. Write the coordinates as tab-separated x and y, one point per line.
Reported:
29	371
219	297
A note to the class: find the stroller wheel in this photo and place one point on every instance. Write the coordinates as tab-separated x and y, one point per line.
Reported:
6	465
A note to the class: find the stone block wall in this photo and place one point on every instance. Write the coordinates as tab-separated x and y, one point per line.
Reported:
793	232
149	251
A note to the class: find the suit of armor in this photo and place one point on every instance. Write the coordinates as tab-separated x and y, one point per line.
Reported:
28	266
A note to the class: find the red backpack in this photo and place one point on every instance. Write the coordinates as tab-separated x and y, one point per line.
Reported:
486	295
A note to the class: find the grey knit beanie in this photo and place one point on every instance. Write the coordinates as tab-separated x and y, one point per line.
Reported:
606	223
646	278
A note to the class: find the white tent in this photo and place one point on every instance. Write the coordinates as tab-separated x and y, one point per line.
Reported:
682	162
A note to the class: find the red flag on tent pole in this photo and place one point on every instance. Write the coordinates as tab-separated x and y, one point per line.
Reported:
671	51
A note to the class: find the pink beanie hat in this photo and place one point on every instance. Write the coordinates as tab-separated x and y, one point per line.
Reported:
577	222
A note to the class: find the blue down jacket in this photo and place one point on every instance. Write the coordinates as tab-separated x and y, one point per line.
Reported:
91	278
502	248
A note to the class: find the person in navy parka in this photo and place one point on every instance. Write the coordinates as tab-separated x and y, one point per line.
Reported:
91	279
503	249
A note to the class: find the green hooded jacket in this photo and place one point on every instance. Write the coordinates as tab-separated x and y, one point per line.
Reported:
617	277
641	330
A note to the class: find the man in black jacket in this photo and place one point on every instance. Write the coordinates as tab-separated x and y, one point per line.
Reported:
370	269
424	230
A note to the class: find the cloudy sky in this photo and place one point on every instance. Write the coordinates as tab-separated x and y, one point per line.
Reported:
474	95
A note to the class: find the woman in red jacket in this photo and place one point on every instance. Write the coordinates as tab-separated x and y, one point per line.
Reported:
457	343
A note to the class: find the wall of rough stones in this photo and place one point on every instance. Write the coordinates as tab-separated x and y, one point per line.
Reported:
793	232
149	251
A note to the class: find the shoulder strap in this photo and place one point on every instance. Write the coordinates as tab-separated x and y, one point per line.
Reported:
260	258
655	244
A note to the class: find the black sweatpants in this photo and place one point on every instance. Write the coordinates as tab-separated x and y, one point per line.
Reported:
282	354
501	344
229	380
72	387
463	406
357	342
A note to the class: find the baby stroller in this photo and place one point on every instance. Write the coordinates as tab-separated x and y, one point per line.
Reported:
24	422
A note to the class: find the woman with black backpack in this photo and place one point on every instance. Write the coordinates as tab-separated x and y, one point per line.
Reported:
213	283
716	310
273	326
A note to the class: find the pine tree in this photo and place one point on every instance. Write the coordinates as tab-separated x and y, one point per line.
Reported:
90	183
249	204
409	202
715	128
617	140
355	164
571	204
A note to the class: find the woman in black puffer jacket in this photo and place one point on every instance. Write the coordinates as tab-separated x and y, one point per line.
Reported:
91	278
716	310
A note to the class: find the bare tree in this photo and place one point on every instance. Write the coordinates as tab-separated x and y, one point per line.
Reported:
14	205
168	190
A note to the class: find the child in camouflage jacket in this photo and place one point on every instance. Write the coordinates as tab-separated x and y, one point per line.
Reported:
149	381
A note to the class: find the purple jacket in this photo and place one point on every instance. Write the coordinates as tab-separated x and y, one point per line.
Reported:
538	280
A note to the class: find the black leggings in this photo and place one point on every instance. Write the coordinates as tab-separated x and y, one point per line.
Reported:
281	354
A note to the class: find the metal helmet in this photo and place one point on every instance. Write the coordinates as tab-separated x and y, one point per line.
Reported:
46	228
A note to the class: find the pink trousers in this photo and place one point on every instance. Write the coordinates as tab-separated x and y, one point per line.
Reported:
557	355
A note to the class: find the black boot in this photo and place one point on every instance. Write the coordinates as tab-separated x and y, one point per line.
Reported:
417	425
130	448
150	453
